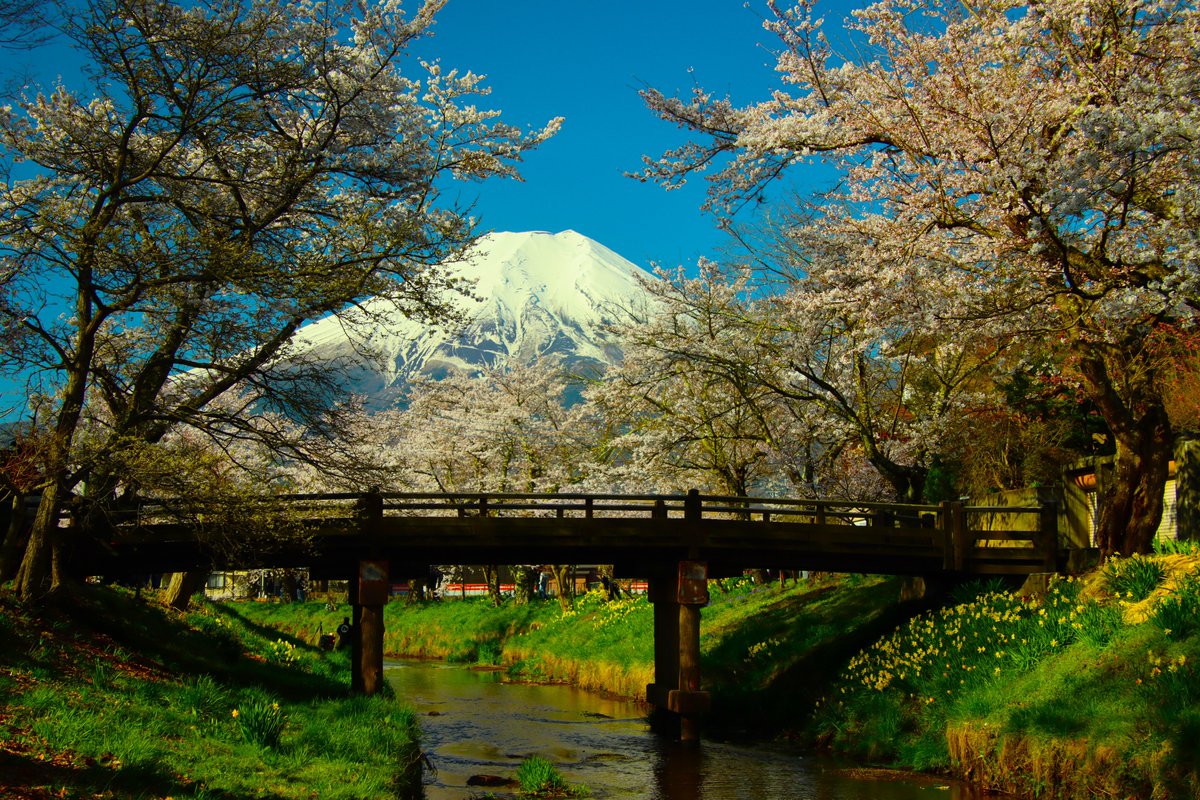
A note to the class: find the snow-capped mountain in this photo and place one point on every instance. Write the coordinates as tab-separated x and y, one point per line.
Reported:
538	295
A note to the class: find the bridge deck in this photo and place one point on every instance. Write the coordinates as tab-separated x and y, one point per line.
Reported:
331	532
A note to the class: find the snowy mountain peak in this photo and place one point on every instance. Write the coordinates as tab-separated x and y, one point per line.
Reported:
537	295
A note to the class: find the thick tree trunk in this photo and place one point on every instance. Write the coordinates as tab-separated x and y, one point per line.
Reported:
524	580
35	578
183	585
1131	503
15	538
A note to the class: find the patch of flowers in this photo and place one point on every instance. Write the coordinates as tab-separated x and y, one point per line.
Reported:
1134	577
260	720
940	654
1178	616
1173	676
762	649
282	652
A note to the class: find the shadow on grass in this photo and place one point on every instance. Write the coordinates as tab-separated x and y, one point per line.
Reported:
824	630
24	775
150	635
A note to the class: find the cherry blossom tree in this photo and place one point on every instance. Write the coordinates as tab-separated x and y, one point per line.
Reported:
1034	165
790	372
234	169
506	430
23	23
684	410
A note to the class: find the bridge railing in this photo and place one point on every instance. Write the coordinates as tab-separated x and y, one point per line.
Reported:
695	506
528	504
966	539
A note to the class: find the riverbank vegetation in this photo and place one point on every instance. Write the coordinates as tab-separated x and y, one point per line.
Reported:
754	637
115	697
1090	690
1089	687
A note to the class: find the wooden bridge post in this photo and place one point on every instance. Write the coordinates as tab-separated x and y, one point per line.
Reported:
677	596
662	591
356	672
371	587
959	533
687	700
947	531
1048	528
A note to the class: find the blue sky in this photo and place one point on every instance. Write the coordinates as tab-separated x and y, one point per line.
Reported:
585	61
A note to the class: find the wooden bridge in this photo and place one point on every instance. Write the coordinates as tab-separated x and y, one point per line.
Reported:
675	542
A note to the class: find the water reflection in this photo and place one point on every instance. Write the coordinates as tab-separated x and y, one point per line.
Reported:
476	724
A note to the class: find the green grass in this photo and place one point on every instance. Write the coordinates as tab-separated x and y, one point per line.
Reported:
765	651
108	696
1081	693
539	778
1092	690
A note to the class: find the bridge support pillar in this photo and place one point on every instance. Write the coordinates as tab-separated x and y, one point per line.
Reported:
675	694
368	599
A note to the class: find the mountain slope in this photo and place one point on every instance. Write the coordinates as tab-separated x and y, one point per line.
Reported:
538	295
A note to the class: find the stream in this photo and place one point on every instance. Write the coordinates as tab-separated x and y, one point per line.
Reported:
476	723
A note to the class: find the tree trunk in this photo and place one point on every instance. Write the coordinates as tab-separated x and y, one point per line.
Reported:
289	586
183	585
416	591
15	539
1131	504
566	592
1187	488
524	580
35	579
491	574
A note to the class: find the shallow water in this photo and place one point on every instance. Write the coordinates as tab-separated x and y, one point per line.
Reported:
476	723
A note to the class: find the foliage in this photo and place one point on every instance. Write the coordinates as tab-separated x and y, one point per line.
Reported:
97	691
673	420
260	720
1031	675
1134	577
1020	173
1182	547
282	652
229	172
1178	615
539	778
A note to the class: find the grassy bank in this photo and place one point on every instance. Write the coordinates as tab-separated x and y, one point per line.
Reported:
762	646
1091	689
115	697
1088	689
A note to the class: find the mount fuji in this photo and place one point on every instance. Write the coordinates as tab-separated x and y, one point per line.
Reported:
538	296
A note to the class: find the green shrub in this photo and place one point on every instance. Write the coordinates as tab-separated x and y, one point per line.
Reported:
1178	616
1133	577
260	720
1174	547
972	590
1097	623
539	778
201	697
